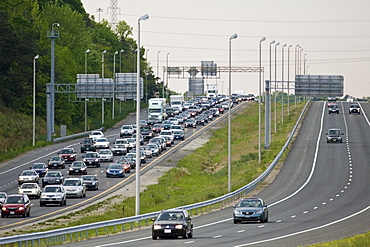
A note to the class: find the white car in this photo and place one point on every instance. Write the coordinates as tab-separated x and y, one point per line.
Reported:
124	142
28	176
96	135
102	143
75	187
3	196
30	189
53	194
175	127
127	130
105	155
132	143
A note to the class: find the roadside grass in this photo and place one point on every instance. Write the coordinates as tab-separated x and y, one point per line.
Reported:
199	176
360	240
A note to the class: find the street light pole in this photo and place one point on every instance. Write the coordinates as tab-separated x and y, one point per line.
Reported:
34	102
137	203
259	101
282	83
146	76
114	81
87	51
304	63
295	71
158	69
288	77
166	73
102	63
120	61
86	100
278	43
268	114
234	36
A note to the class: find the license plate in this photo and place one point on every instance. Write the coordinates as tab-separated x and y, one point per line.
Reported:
55	164
247	216
11	212
167	230
87	149
76	170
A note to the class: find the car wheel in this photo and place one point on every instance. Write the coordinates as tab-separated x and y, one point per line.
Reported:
24	215
153	236
41	204
236	221
329	112
327	141
267	219
190	235
29	213
61	203
106	176
65	202
96	188
185	235
2	216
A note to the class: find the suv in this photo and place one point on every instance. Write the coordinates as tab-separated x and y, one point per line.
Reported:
334	135
172	223
75	187
16	204
126	130
92	159
87	144
68	154
53	194
354	108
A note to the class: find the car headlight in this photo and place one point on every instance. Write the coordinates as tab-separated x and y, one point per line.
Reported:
157	227
82	169
108	171
3	208
120	171
178	226
71	169
259	211
84	160
237	212
96	160
21	208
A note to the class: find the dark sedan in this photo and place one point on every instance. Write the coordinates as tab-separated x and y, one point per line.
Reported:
52	177
40	168
56	162
179	135
77	167
250	209
172	223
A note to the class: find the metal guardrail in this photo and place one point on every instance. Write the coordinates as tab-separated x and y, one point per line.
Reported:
84	231
64	138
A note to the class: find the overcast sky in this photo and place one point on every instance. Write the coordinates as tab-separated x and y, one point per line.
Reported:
335	35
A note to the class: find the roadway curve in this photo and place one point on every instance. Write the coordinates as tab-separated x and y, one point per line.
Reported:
321	193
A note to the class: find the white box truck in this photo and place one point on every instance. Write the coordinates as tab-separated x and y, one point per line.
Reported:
156	108
177	101
211	91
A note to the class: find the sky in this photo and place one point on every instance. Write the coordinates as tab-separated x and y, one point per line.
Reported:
334	36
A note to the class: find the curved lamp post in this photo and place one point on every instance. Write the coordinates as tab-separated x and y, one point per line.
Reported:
278	43
114	81
34	102
137	200
86	52
282	83
259	102
234	36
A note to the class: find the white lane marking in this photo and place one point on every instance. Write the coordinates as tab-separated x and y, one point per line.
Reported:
278	221
305	231
240	231
218	236
124	242
189	242
305	212
261	226
293	216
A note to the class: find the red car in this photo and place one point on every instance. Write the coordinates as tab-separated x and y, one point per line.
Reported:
16	204
68	154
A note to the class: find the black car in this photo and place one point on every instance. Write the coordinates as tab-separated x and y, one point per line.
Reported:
147	132
199	120
40	168
250	209
92	159
87	144
52	177
56	162
172	223
77	167
179	135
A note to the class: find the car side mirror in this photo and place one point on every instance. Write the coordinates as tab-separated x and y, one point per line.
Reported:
342	133
326	133
234	206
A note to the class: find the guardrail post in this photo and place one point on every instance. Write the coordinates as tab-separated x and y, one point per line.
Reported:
96	232
123	227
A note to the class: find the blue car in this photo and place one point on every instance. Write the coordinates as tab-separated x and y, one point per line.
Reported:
250	209
115	170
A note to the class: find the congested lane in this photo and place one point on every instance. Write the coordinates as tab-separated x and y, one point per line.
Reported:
11	169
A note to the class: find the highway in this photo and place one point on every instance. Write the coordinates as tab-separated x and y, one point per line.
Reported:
10	170
321	193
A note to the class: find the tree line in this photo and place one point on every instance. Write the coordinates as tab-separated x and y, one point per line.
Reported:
23	35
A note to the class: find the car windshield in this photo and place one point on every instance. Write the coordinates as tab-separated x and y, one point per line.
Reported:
38	166
96	133
27	173
89	178
86	141
250	203
66	151
115	166
152	146
104	152
334	132
2	196
52	189
91	155
14	199
72	183
171	216
52	174
102	140
119	146
55	158
126	127
28	186
79	164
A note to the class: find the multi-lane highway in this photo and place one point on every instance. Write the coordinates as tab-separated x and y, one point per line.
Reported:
321	193
10	170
